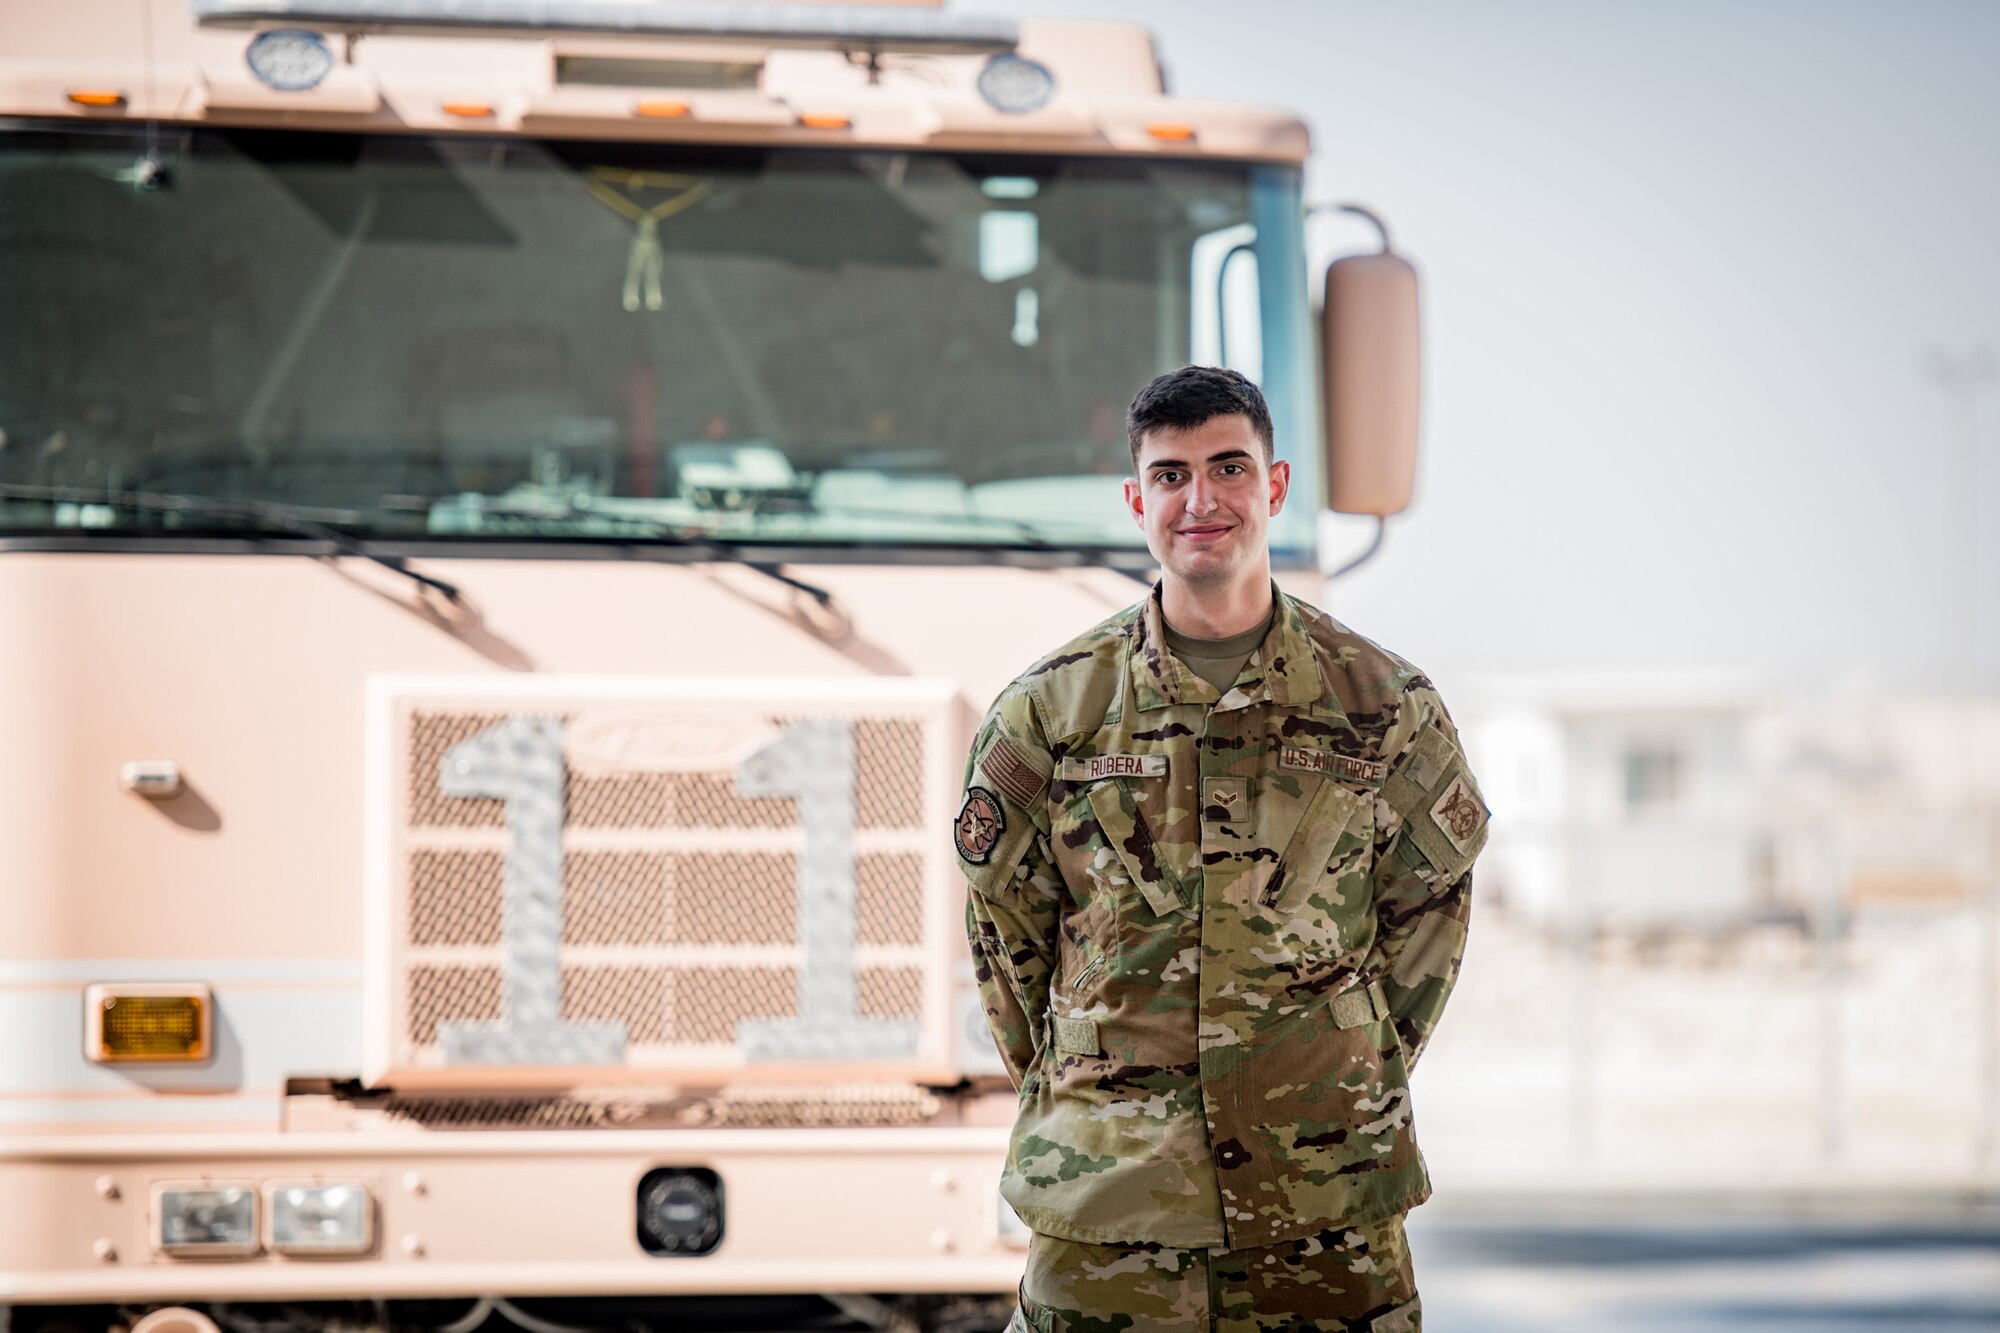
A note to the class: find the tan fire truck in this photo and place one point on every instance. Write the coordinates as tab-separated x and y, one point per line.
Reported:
509	513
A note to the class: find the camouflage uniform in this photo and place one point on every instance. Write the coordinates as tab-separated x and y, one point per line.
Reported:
1213	935
1344	1278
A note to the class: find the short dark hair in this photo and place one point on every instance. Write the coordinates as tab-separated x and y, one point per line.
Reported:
1185	398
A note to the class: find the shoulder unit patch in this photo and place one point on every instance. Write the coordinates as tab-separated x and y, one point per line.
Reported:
979	825
1458	813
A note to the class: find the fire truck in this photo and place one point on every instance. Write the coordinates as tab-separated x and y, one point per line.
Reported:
510	511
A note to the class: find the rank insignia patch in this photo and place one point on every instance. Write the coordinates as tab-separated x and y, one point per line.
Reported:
979	825
1458	813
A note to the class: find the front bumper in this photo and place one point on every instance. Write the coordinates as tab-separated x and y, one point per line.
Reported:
521	1213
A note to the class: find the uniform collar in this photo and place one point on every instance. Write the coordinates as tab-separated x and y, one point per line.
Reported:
1284	669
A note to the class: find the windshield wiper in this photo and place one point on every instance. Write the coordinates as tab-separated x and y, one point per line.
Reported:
269	515
653	530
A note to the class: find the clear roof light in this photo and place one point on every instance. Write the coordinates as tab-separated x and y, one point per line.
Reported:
1016	85
292	60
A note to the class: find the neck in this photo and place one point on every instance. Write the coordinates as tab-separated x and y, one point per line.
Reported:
1219	610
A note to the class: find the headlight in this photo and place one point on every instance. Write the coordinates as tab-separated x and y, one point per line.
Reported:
680	1210
1016	84
206	1219
291	60
320	1218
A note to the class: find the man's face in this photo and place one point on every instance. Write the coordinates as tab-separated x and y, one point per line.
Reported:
1204	497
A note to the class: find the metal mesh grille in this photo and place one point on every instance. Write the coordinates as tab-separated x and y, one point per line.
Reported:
442	994
455	897
634	996
617	898
773	1106
746	1105
629	800
736	898
889	898
431	734
497	1112
888	774
708	1001
891	992
889	785
703	800
719	885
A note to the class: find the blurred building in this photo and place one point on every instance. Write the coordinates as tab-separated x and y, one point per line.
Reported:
1684	801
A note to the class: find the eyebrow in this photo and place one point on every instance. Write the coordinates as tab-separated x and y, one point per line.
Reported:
1222	457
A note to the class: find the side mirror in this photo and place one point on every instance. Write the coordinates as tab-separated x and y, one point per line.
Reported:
1369	379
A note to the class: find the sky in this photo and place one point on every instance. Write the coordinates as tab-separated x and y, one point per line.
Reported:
1682	266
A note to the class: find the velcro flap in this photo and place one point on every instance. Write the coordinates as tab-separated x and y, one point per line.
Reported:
1359	1004
1403	1319
1436	943
1076	1036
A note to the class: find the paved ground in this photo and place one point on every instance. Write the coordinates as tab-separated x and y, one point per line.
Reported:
1682	1271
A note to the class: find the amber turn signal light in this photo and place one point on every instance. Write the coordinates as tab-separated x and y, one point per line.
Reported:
148	1023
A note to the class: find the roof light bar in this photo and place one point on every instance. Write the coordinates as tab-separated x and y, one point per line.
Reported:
825	27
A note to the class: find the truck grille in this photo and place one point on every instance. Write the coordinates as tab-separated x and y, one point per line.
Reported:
677	920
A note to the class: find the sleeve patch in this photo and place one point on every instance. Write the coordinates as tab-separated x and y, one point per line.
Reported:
1443	813
1008	770
1459	815
978	827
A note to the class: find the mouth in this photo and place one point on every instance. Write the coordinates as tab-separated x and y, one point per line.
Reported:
1203	533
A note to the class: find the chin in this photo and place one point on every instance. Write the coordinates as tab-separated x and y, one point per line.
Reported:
1201	567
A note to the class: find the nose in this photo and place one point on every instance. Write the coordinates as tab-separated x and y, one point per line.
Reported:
1201	496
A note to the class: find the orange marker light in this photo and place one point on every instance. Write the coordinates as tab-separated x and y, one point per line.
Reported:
1173	131
823	120
468	109
148	1022
662	108
96	97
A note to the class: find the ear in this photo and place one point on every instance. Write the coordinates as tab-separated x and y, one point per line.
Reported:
1135	501
1281	484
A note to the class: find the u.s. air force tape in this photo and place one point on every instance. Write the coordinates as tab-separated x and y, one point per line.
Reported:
1308	759
1092	767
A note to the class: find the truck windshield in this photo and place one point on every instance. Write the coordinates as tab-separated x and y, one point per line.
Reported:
456	339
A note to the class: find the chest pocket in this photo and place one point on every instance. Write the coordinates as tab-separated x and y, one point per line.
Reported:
1118	807
1335	835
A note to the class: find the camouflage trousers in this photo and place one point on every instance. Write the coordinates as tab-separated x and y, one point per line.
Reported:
1344	1280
